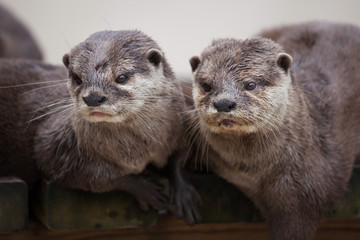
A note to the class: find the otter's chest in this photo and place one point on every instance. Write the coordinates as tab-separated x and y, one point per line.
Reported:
236	168
132	153
246	181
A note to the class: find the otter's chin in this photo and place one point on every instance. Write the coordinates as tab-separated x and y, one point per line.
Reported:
98	116
230	126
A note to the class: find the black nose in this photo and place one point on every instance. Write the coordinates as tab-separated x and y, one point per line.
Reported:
224	106
94	100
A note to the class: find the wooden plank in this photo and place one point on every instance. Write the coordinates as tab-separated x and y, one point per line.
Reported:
13	204
169	228
224	203
65	209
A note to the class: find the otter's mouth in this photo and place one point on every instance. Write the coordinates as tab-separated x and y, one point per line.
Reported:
99	114
228	123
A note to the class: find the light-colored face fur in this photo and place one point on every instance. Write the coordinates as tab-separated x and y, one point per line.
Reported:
108	84
241	87
123	100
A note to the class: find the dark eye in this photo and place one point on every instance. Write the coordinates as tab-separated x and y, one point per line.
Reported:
206	87
122	79
75	79
250	86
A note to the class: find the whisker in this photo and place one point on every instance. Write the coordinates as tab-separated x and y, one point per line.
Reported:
53	103
30	84
66	41
107	23
50	112
310	92
188	87
188	79
36	89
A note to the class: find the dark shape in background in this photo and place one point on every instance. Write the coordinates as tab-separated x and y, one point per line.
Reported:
15	39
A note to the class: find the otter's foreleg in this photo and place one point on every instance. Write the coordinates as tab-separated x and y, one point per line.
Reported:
183	194
292	213
145	190
299	225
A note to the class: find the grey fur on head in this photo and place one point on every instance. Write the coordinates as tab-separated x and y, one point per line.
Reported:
281	120
97	127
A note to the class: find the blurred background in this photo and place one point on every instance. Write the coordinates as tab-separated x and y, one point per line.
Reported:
181	28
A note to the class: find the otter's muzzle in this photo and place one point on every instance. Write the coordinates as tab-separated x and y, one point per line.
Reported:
94	100
225	105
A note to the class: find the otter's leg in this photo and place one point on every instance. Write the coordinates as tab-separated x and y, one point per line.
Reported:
183	194
294	223
145	190
70	170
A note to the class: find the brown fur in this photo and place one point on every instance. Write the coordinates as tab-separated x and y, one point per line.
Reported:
15	39
140	120
18	106
294	138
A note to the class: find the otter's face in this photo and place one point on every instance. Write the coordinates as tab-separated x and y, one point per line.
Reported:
241	86
111	85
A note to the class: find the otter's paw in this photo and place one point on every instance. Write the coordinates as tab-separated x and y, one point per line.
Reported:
151	194
187	201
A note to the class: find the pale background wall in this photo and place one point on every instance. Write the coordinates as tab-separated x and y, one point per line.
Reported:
182	28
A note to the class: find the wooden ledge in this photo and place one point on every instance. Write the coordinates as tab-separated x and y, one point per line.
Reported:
67	209
13	204
170	228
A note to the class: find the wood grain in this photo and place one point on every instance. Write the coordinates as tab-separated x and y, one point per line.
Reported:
169	228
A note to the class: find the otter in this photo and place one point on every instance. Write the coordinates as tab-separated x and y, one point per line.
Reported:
16	41
281	120
115	109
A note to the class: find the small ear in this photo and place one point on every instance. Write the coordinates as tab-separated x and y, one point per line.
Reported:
66	60
194	62
154	56
284	61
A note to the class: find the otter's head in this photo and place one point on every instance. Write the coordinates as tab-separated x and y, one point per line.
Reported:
241	86
115	75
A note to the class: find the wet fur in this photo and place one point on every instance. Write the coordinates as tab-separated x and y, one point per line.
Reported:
296	160
133	142
21	104
55	128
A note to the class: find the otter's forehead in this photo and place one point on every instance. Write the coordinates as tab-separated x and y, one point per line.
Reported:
251	57
125	50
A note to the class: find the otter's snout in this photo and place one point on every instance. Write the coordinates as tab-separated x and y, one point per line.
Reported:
224	105
94	100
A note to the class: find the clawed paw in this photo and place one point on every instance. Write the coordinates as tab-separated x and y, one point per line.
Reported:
151	195
187	201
